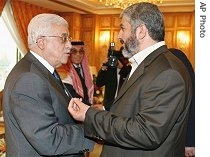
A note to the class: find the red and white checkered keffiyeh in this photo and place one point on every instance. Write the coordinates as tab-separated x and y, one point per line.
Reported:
73	78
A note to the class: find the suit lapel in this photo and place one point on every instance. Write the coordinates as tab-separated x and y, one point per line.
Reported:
140	70
128	82
37	64
45	73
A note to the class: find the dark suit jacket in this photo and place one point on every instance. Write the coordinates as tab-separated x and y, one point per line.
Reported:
149	116
37	120
108	78
190	140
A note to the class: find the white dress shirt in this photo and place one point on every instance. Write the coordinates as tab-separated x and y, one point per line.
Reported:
136	59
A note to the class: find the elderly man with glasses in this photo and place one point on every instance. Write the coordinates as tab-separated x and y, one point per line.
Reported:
37	121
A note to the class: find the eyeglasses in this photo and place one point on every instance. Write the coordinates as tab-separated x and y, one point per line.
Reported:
75	51
65	38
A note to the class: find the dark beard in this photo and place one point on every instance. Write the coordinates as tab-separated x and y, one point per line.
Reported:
131	46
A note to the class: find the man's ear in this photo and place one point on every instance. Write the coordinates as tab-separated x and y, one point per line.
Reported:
40	43
141	31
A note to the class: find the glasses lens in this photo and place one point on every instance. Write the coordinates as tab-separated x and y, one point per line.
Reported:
75	51
81	51
65	38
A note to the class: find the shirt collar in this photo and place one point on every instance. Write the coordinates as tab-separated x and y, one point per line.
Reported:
136	59
140	56
77	65
43	61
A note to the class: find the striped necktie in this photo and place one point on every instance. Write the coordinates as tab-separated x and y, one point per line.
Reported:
56	75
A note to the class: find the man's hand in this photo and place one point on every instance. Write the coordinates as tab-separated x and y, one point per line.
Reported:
189	151
77	109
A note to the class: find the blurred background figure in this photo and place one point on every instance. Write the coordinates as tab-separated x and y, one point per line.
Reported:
77	74
190	138
112	74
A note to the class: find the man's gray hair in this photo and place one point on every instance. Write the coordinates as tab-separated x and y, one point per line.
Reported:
41	25
147	14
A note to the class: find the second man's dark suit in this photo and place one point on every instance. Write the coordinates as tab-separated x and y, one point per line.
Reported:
150	111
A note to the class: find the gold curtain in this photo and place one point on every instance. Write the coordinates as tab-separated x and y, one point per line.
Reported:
23	13
2	3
